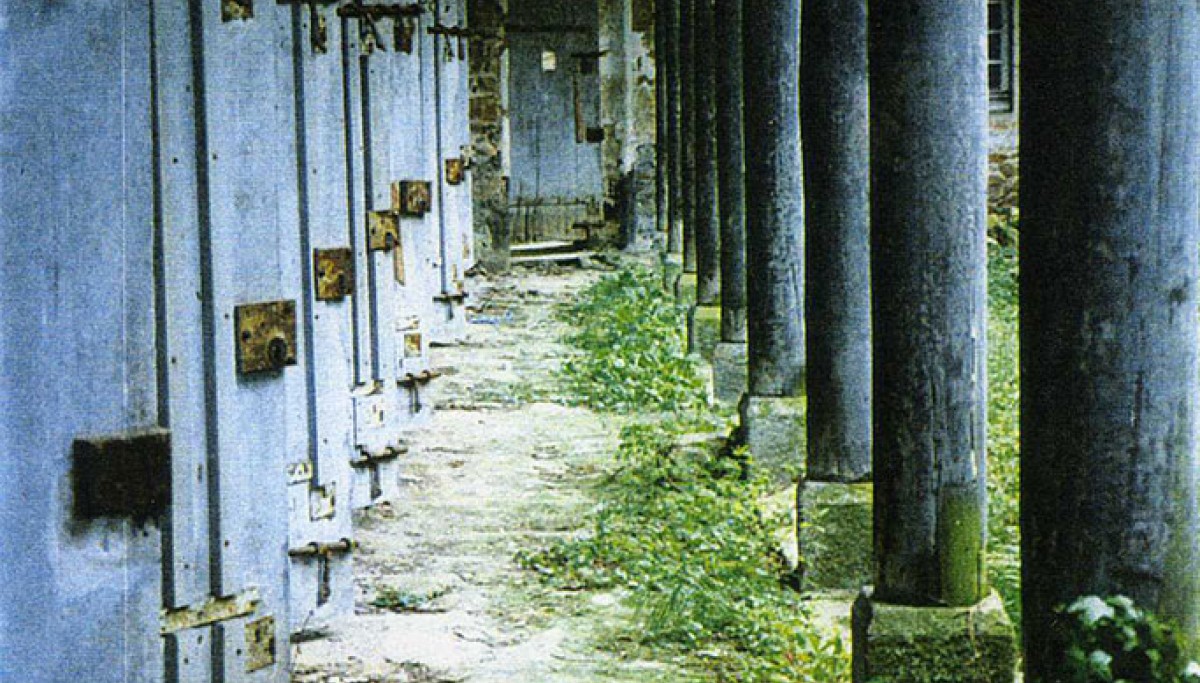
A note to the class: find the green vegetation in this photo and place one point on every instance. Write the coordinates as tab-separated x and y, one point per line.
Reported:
682	527
396	600
1004	435
1112	641
632	348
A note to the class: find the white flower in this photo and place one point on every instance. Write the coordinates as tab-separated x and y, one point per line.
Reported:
1100	660
1192	670
1092	609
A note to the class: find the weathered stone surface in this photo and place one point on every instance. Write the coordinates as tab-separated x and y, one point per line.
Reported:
835	535
902	644
729	372
772	428
704	330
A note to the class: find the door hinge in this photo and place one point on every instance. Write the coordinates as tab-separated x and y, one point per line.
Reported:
211	611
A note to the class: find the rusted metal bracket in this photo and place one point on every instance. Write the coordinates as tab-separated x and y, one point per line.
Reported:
211	611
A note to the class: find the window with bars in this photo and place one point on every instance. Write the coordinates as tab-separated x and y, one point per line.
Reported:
1000	54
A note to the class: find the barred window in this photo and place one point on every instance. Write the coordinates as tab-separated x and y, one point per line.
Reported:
1000	54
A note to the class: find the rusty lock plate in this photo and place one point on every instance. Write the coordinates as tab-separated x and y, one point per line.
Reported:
334	269
235	10
412	197
383	230
455	168
266	336
413	348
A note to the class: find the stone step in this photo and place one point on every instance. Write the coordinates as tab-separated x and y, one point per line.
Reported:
541	248
577	258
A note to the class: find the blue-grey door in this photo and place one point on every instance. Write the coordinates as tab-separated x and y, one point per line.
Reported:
80	594
556	179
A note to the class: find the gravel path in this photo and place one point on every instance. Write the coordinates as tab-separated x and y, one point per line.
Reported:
502	467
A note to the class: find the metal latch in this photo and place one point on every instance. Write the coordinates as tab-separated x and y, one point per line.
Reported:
266	336
315	549
422	377
367	458
334	270
321	552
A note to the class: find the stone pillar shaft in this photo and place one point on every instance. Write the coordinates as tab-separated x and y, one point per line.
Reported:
774	198
687	103
670	53
707	225
731	169
833	110
661	151
929	132
1110	165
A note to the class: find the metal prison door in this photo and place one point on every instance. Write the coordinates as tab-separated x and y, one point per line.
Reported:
391	197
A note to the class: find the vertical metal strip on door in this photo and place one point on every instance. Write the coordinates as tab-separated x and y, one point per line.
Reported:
321	540
78	393
249	279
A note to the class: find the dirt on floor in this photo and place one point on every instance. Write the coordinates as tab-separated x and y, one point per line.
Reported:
504	466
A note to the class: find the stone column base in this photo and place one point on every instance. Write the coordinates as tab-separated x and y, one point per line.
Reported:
704	330
685	289
772	428
835	535
902	644
730	373
672	268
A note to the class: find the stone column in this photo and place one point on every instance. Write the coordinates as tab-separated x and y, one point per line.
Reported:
729	356
833	116
670	54
772	411
931	616
705	317
661	211
687	129
1110	165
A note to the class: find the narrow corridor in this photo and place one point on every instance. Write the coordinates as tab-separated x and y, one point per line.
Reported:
502	467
